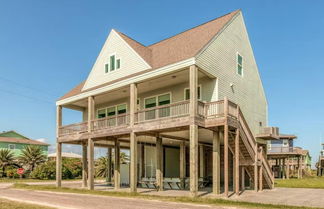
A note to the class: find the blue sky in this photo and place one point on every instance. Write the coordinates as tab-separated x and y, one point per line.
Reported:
47	47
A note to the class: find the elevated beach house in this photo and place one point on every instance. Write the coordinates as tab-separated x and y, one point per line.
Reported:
187	107
16	142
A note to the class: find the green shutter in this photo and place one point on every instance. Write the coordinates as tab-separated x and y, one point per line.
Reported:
112	63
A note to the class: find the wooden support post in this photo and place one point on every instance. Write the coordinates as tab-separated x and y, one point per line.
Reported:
288	168
284	168
256	168
201	161
183	163
280	168
237	162
298	168
260	178
159	174
226	161
84	165
91	110
243	179
216	162
193	109
117	165
90	164
58	164
109	163
133	139
58	147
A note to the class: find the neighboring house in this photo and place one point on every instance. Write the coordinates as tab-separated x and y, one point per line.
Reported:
320	163
185	107
16	142
285	159
52	156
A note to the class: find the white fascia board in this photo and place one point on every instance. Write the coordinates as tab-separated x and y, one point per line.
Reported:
135	79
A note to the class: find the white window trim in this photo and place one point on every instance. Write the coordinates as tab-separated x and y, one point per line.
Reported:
237	53
11	145
269	145
156	98
187	88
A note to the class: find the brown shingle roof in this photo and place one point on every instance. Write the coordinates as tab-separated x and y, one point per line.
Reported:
21	141
180	47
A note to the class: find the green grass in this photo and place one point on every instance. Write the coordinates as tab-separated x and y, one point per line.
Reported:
8	204
198	200
309	182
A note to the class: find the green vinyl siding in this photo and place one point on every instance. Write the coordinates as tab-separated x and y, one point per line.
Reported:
19	147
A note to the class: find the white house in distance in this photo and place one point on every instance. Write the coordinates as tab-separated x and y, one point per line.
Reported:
187	107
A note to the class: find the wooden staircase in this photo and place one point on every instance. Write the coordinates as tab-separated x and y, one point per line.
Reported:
250	154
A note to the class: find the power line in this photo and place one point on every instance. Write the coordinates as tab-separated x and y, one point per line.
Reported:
28	97
28	87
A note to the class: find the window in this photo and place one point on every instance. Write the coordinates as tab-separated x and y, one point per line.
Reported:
187	93
150	102
239	64
101	113
121	109
112	62
11	146
118	63
285	143
106	68
159	100
269	145
111	111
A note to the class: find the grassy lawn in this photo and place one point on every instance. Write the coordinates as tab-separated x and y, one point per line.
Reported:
309	182
8	204
198	200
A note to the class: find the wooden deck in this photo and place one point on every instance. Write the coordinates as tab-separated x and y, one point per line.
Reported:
165	118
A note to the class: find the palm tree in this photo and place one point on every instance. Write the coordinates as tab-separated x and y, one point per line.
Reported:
31	156
7	158
101	167
102	164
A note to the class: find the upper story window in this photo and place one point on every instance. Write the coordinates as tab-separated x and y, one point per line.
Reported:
11	146
111	111
187	93
113	64
239	64
285	143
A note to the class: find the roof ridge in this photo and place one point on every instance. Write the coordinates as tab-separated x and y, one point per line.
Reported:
131	38
194	27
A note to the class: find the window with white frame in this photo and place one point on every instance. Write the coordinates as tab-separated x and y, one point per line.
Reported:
113	64
269	145
11	146
239	64
154	101
187	93
112	110
285	143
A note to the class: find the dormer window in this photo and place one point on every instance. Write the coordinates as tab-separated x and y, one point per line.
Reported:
239	64
113	64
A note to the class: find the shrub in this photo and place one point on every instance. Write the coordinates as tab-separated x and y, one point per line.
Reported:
71	168
11	172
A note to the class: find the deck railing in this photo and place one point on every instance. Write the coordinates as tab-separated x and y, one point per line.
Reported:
281	150
160	112
76	128
110	122
214	109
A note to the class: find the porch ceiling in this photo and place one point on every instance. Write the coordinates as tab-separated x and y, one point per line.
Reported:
145	86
